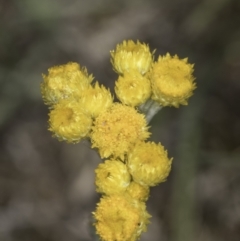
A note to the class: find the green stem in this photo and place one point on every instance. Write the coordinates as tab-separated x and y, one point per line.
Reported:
184	220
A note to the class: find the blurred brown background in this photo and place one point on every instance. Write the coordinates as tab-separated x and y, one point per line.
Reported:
47	188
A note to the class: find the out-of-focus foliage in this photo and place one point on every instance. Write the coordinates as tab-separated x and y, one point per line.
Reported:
47	188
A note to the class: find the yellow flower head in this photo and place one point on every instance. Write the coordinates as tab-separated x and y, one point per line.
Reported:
120	218
172	81
116	130
68	122
112	177
96	99
132	88
137	191
64	81
130	56
148	163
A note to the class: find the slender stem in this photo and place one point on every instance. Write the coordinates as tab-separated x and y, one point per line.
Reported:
150	108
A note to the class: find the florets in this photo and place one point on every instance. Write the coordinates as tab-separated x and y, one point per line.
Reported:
132	88
148	163
68	121
172	81
130	56
120	218
116	130
63	82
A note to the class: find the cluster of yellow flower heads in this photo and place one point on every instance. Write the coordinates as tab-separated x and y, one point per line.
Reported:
119	131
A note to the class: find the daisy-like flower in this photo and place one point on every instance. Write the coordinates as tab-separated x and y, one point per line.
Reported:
117	129
96	99
112	177
137	191
148	163
68	122
132	88
64	81
172	81
130	56
120	218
